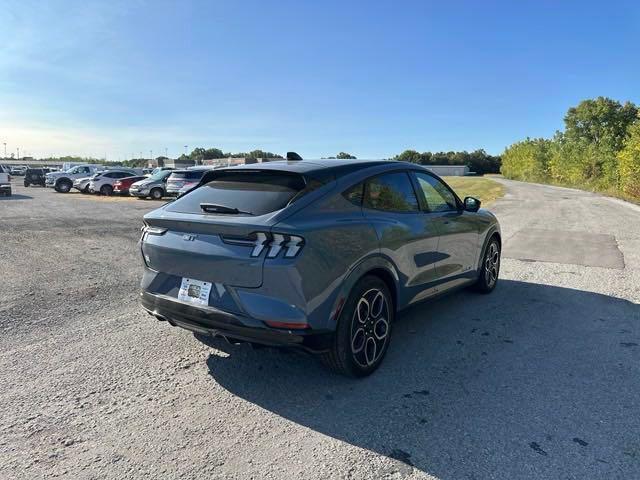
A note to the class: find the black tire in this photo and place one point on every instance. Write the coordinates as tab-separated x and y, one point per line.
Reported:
489	267
63	186
85	189
358	358
156	193
26	184
106	190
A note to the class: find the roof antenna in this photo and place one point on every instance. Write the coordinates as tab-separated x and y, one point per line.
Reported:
293	156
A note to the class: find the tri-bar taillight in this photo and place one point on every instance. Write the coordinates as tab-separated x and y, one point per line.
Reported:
273	243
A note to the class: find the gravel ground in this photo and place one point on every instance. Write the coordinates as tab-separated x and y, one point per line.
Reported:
540	379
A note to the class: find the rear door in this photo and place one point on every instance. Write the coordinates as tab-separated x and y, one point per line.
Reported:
458	230
405	233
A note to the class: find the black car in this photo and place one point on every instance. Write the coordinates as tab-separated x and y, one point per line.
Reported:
35	176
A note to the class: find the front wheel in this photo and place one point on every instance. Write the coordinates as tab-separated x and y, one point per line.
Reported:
63	186
156	193
364	330
490	267
106	190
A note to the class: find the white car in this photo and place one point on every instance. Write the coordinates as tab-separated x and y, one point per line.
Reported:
103	182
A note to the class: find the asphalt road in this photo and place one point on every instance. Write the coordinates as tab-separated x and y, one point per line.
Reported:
540	379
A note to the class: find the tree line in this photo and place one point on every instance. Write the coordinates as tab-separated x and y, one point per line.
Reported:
598	149
478	161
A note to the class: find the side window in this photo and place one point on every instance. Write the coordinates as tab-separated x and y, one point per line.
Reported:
84	170
439	198
355	194
391	192
122	174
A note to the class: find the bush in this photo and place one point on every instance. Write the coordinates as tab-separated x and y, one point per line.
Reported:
629	163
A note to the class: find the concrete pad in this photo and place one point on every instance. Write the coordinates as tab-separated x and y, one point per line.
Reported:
557	246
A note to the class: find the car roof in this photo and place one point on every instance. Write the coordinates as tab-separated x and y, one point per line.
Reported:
320	168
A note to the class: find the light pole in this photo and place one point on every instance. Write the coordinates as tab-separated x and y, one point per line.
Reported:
18	149
151	154
185	150
165	152
5	149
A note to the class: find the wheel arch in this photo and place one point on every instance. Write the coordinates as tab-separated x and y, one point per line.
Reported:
377	266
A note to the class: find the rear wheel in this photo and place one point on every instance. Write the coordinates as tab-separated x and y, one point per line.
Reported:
106	190
490	267
364	330
156	193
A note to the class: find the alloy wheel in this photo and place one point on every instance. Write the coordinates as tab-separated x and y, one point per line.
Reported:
370	327
492	264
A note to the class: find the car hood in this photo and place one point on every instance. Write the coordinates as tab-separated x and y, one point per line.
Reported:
144	183
55	174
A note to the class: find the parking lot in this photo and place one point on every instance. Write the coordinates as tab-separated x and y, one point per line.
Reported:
540	379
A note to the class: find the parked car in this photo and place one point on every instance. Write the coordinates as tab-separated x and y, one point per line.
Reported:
82	184
18	170
5	183
63	181
121	187
35	176
153	186
318	255
103	182
183	180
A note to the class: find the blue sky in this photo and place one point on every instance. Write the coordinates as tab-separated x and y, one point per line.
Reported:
318	77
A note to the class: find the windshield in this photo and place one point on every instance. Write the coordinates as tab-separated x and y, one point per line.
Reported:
189	175
160	175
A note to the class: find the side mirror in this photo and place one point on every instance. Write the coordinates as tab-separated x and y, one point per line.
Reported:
471	204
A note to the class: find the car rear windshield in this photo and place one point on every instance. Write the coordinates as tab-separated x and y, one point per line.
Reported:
254	192
190	175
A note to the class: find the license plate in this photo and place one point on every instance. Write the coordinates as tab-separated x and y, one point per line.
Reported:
194	291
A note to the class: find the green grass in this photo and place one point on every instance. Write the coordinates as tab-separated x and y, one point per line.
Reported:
482	188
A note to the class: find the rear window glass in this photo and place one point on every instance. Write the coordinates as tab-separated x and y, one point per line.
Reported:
193	175
258	193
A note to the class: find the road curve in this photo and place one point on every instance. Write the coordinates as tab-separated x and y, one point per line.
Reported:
540	379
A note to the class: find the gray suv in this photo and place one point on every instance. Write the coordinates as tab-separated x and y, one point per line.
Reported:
319	255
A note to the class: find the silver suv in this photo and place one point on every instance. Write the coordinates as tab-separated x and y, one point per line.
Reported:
154	186
318	255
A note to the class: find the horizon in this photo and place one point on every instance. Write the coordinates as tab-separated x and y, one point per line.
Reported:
117	81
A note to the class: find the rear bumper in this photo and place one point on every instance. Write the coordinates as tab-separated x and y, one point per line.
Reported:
5	188
212	321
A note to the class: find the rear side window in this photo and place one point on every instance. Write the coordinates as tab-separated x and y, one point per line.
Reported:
256	192
391	192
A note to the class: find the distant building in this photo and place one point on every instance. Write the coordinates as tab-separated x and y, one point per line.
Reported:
171	162
449	170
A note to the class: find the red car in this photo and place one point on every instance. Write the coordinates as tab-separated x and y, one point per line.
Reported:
121	187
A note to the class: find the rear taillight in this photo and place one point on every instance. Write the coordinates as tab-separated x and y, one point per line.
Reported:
272	243
117	183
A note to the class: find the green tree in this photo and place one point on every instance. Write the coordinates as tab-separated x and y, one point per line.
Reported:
629	162
345	156
527	160
602	122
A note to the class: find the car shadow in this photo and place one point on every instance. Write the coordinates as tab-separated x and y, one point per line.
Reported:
15	196
531	381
